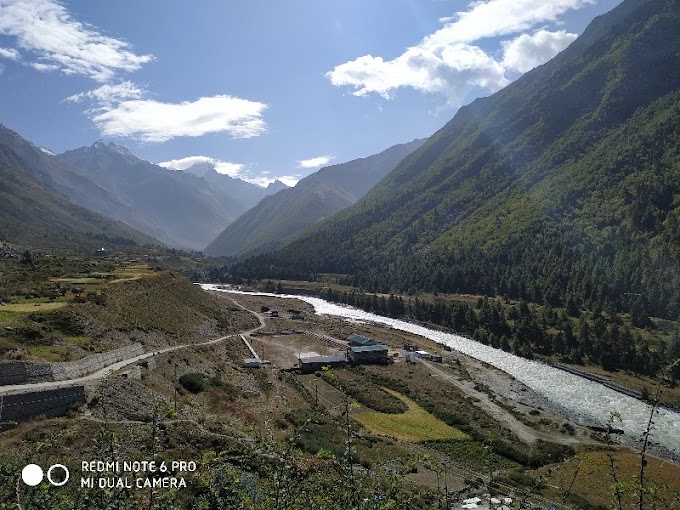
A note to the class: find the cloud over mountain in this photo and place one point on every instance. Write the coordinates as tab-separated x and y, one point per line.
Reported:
448	63
317	162
222	167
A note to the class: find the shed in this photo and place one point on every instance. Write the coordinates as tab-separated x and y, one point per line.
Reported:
311	364
376	354
252	363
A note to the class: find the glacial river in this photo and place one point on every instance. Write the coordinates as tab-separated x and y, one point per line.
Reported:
588	401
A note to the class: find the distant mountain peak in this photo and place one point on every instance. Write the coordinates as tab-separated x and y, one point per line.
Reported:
276	185
116	149
201	169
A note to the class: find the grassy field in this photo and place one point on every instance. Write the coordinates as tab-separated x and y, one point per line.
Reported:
355	384
414	425
61	309
592	479
34	306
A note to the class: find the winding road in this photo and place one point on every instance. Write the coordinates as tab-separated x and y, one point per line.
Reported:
109	369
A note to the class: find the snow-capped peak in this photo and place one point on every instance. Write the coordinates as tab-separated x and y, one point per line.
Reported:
119	149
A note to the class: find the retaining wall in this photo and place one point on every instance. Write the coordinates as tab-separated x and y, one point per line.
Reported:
48	403
19	372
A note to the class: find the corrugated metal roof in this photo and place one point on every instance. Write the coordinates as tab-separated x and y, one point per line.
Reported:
324	359
361	340
310	354
369	348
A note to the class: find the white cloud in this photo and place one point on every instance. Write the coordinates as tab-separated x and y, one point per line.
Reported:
154	121
452	71
260	181
109	93
9	53
43	68
288	180
237	170
317	162
528	51
46	29
446	62
223	167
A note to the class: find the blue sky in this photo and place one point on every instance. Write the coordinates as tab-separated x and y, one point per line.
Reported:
264	89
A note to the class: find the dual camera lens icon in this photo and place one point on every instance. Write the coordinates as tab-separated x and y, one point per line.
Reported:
33	474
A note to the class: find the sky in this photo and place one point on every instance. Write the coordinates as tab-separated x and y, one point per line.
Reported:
264	89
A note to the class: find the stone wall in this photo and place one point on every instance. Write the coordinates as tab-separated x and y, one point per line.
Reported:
48	403
19	372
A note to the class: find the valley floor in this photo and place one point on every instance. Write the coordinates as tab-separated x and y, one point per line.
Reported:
446	431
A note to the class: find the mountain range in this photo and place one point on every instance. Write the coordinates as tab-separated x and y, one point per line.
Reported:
282	216
178	208
563	187
34	215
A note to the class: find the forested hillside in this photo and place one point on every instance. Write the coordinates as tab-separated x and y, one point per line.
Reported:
279	218
563	188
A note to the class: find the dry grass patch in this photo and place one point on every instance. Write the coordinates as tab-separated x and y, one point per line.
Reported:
79	281
33	306
414	425
594	481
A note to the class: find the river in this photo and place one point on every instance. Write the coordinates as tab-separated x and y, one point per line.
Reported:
587	401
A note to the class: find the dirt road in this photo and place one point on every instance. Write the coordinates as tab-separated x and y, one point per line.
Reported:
522	431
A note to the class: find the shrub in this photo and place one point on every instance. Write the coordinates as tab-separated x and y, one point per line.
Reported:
194	382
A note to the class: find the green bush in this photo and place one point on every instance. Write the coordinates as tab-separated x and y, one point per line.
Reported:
194	382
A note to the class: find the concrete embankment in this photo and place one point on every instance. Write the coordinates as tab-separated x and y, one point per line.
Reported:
19	372
48	403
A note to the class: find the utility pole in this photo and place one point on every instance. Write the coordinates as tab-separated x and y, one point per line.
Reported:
175	387
446	486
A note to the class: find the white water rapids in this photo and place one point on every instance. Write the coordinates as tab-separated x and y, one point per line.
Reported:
588	400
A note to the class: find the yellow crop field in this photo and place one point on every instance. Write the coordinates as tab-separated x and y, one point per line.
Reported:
415	425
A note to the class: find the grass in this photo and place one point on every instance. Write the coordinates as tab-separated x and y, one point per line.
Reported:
357	385
414	425
82	341
34	306
329	396
49	353
6	316
593	481
78	281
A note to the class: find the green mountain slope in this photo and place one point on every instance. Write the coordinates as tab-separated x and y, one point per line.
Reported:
563	187
35	216
279	218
